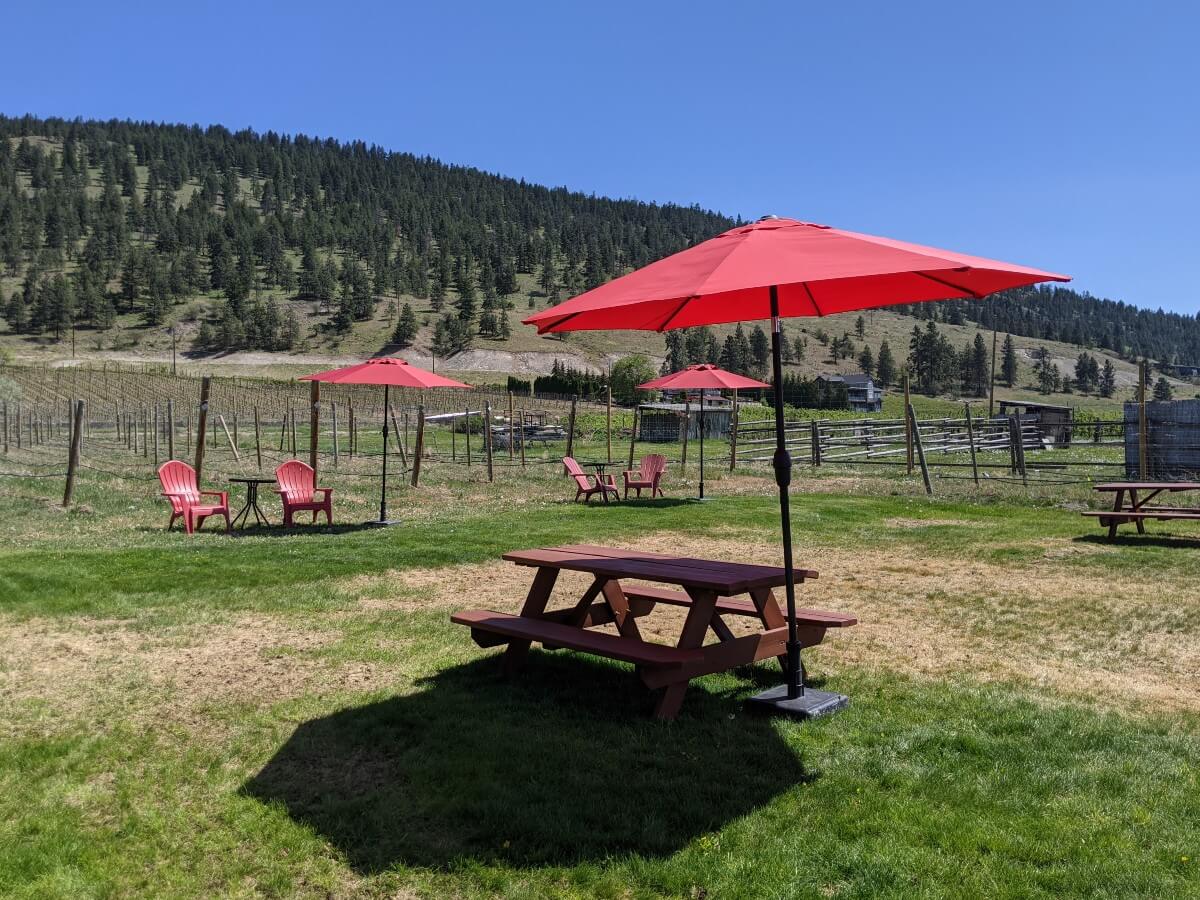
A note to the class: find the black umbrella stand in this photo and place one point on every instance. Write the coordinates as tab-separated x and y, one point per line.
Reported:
792	698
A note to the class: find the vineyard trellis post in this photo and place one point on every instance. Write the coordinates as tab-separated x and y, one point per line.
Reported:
419	449
687	427
467	420
333	422
400	444
511	449
156	435
5	426
229	437
571	429
171	428
522	438
205	387
487	436
314	419
637	410
257	440
607	420
992	383
73	457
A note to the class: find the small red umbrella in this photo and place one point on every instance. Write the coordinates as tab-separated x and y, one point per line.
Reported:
769	269
389	372
702	377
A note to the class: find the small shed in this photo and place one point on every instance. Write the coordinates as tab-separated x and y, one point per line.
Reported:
660	423
1054	423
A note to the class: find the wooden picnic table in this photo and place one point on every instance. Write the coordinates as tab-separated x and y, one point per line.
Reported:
711	590
1132	503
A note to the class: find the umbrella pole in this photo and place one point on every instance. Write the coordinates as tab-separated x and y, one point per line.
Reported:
701	443
383	481
791	698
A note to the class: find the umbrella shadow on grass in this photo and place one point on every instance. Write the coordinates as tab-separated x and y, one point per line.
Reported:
560	766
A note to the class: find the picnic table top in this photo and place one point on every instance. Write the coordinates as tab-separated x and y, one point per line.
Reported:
1148	486
724	578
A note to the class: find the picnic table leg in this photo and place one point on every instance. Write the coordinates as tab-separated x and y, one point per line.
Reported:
1115	521
770	615
618	604
694	629
1135	506
535	607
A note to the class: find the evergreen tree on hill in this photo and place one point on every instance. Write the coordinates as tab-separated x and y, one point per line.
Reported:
1008	365
885	366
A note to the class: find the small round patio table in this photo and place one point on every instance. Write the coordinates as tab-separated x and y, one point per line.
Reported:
243	516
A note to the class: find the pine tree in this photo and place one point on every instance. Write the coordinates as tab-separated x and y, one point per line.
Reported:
978	367
860	327
406	327
1008	365
1108	379
1162	389
760	351
885	366
866	361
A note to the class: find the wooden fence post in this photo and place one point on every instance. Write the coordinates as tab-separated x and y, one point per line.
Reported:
487	436
419	449
229	437
608	421
73	458
571	429
733	432
512	433
971	444
205	387
187	448
292	428
145	428
1143	436
908	431
403	451
18	428
522	438
916	435
314	421
637	410
333	422
5	426
171	429
257	440
467	425
350	425
815	442
453	441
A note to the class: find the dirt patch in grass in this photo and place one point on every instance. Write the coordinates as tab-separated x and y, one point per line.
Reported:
903	522
1047	625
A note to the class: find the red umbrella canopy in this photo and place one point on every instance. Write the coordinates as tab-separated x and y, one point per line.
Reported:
818	270
702	377
386	370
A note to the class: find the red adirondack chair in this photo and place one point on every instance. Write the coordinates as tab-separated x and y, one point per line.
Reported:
648	474
296	487
179	486
586	485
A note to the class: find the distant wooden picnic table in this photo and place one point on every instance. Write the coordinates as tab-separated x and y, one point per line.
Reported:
1132	503
710	591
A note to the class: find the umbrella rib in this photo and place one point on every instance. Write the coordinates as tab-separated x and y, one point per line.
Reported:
555	324
812	299
950	284
678	310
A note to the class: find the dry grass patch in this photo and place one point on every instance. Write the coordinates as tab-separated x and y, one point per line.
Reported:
1046	625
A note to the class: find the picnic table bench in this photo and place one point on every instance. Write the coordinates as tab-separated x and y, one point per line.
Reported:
1128	506
710	589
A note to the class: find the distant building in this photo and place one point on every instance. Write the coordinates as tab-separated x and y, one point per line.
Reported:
1054	423
862	394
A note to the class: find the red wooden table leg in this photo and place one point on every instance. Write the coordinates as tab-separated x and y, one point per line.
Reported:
694	628
535	607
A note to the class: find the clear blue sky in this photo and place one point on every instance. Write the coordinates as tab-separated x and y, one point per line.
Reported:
1064	135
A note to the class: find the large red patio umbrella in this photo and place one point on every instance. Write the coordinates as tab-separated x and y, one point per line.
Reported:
390	372
702	377
770	269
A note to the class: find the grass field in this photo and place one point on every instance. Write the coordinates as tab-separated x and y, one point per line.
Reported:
292	713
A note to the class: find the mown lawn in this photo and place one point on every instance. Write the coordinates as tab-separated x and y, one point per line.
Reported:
294	715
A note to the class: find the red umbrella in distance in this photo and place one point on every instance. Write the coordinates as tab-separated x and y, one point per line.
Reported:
702	377
390	372
769	269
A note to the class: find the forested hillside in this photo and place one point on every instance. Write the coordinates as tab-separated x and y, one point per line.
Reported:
265	241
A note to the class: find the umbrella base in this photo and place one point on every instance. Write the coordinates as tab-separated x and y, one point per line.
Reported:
809	705
382	523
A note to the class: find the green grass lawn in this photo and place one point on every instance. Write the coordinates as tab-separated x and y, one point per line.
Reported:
292	714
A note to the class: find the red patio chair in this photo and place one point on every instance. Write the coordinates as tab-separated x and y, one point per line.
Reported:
648	474
179	485
296	487
586	485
